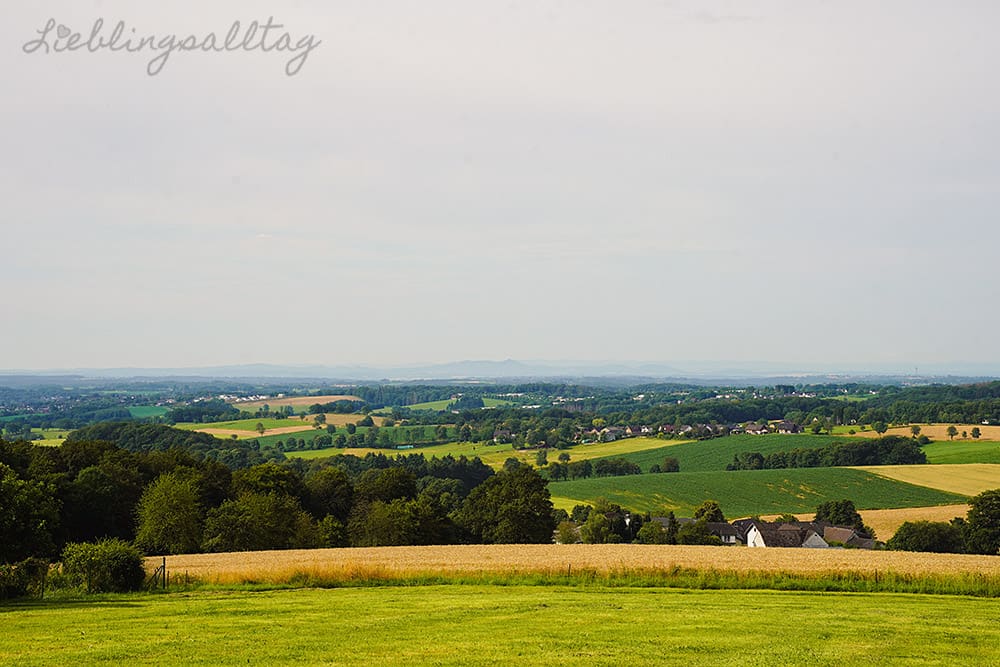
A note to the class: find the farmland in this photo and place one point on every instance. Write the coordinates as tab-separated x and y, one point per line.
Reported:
247	428
940	431
749	492
540	626
386	563
495	455
438	406
50	436
963	451
297	402
716	454
147	411
968	479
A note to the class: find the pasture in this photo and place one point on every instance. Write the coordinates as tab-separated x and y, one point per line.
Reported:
749	492
968	479
438	406
147	411
963	451
50	436
503	624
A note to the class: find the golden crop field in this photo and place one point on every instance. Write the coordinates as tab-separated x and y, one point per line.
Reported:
295	425
389	562
294	401
885	523
937	431
965	478
241	433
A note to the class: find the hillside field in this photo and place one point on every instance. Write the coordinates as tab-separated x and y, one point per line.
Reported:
749	492
495	455
717	453
498	624
147	411
968	479
940	431
297	402
963	451
247	428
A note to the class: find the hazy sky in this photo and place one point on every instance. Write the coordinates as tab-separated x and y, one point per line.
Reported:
797	181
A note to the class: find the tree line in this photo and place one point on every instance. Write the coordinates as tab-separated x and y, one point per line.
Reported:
888	450
171	501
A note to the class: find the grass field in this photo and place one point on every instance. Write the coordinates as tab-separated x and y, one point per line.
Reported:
431	405
147	411
51	437
963	451
968	479
749	492
437	406
510	625
297	402
715	454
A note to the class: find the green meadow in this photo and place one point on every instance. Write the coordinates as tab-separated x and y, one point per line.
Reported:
503	624
750	492
147	411
963	451
438	406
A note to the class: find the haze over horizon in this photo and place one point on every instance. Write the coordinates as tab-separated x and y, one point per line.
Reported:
810	183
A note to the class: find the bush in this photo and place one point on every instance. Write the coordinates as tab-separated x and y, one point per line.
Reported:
110	566
22	579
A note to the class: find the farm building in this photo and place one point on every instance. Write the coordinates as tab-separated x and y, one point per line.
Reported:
800	534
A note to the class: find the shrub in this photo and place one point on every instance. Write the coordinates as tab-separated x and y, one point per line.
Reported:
24	578
110	566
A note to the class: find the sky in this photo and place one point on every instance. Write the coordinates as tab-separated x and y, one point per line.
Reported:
800	181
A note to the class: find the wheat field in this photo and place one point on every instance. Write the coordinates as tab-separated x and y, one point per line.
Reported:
968	479
393	562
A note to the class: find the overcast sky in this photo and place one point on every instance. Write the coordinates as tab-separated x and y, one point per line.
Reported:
798	181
